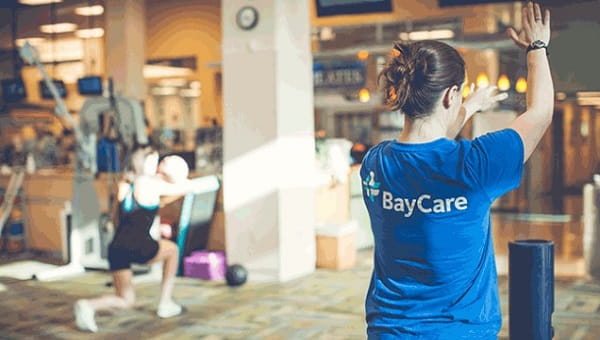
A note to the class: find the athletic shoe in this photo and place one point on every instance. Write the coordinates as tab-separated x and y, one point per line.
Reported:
84	316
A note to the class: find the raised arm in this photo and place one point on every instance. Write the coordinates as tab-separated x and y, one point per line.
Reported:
478	100
166	188
532	124
195	185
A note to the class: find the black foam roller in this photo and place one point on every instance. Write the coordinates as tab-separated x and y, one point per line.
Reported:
531	289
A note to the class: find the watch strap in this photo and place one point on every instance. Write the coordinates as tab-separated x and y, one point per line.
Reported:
536	45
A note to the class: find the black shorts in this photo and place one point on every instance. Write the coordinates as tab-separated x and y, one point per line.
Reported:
122	254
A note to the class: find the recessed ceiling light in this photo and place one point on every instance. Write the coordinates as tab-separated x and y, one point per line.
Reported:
90	33
161	71
89	10
38	2
62	27
431	35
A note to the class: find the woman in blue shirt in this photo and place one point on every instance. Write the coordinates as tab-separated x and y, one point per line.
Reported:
429	196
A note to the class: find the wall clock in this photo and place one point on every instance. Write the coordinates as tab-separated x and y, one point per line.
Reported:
247	18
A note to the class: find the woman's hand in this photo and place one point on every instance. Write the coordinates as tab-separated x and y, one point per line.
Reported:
481	99
533	27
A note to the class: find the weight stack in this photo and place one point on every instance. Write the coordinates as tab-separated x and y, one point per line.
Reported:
531	289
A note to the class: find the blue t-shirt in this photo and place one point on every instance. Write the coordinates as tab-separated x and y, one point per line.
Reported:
434	274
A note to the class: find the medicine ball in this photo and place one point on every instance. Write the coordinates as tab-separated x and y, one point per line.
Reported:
236	275
174	168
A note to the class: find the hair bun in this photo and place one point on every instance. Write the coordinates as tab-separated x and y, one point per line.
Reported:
400	73
417	73
402	60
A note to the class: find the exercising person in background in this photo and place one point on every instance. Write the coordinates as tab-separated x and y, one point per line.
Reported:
429	196
139	198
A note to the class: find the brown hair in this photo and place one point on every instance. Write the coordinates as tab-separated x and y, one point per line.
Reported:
138	157
417	74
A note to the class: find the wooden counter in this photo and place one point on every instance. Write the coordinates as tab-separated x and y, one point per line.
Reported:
47	193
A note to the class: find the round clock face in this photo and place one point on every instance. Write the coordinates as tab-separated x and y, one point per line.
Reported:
247	18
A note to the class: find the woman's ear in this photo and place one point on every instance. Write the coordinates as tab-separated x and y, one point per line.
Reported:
450	96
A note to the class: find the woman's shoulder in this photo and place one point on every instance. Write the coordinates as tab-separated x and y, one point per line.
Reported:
380	146
374	153
146	189
124	187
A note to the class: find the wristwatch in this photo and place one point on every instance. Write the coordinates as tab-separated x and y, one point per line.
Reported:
536	45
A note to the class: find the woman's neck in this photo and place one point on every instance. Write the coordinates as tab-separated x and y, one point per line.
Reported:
422	130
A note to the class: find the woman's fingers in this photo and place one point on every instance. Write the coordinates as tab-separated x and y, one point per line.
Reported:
537	13
500	97
530	13
524	17
547	17
515	37
491	89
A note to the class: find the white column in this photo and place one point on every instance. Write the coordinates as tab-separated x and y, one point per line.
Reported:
269	152
126	46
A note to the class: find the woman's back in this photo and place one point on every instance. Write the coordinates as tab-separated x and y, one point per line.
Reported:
434	271
429	197
137	209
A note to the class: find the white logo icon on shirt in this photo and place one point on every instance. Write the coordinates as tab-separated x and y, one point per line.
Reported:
371	186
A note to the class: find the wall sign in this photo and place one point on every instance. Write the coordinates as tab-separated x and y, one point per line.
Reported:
344	7
341	74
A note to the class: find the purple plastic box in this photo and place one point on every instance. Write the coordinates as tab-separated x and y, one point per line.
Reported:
207	265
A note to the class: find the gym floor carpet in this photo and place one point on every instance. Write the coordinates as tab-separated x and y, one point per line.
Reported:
323	305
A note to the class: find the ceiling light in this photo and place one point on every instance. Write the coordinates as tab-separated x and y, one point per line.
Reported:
363	55
429	35
482	80
38	2
588	98
69	49
403	36
588	94
327	33
364	96
32	41
466	91
161	71
89	33
89	10
62	27
521	85
503	83
441	34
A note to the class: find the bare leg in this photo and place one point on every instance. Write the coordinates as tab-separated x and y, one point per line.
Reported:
169	253
123	298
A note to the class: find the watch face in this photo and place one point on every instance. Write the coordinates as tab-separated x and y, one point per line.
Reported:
538	44
247	17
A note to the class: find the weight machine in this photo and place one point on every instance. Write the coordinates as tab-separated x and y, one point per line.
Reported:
84	239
